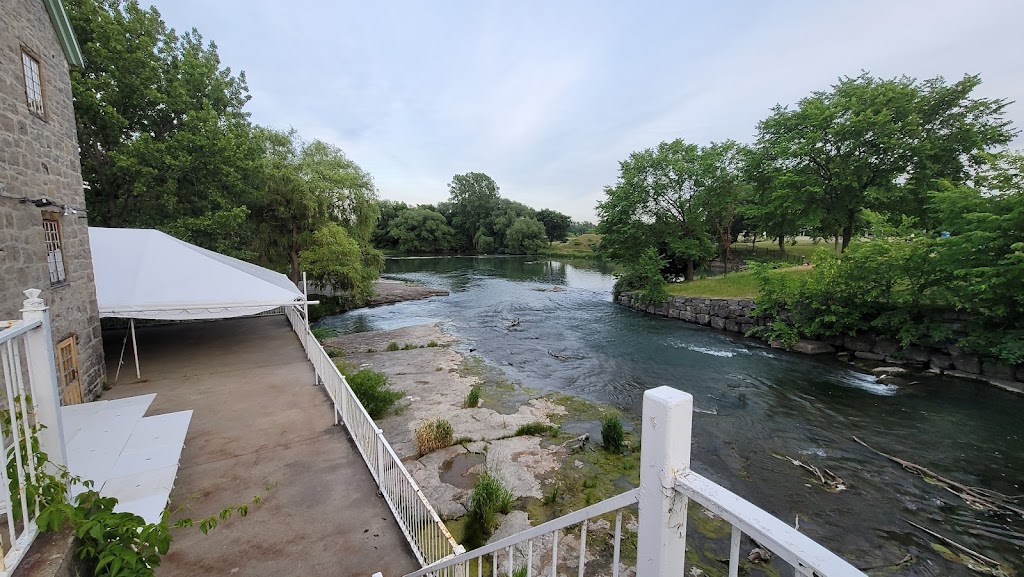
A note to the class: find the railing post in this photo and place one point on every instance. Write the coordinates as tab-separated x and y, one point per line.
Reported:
42	373
664	454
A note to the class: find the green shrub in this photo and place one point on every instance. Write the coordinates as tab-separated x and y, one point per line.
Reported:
392	346
373	391
432	344
333	352
643	277
433	434
323	333
612	434
472	399
408	347
535	428
490	497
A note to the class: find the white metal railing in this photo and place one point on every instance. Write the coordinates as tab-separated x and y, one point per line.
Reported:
666	486
30	401
536	549
426	533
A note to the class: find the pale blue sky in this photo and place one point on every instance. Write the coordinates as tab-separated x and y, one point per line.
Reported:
547	97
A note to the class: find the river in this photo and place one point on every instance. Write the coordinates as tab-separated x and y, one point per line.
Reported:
758	401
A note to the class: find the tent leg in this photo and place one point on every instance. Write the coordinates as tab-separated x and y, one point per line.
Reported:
135	349
120	361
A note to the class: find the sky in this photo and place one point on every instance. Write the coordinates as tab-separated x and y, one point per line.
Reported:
548	97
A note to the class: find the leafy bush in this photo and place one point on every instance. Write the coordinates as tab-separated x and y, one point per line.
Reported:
472	398
408	347
643	277
323	333
373	391
433	434
393	346
539	429
490	497
432	344
612	434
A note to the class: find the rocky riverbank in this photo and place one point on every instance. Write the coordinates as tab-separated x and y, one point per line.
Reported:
387	292
549	473
736	315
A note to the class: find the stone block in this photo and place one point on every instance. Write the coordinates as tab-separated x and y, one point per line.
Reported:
967	363
940	361
703	319
1019	373
916	354
673	313
688	316
860	343
732	325
885	347
868	355
718	323
997	369
809	347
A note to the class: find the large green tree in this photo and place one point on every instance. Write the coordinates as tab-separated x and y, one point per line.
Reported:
305	186
421	230
556	224
473	200
880	144
657	202
164	140
525	236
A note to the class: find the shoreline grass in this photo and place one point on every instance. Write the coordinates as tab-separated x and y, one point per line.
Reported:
736	285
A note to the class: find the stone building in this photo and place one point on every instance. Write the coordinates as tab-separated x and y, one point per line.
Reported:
44	240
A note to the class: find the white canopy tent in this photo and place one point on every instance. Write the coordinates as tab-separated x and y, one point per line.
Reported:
147	274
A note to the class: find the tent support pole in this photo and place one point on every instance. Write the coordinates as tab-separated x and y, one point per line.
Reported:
120	361
135	349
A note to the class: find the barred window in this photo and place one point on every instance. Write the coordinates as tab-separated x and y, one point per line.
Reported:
33	84
54	247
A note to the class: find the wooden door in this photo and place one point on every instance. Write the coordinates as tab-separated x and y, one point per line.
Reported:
67	370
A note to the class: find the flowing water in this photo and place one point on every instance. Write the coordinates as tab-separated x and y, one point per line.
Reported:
752	402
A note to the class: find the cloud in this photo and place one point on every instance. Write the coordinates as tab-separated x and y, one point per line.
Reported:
547	97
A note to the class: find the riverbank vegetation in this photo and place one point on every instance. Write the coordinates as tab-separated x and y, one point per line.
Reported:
912	182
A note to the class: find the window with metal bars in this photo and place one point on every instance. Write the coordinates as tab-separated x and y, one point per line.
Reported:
54	247
33	84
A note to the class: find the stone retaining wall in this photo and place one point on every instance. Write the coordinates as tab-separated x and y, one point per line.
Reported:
736	315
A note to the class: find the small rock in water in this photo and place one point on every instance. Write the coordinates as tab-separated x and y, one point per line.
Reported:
888	371
697	572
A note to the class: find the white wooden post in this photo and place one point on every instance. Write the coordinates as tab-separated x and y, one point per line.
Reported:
664	454
42	373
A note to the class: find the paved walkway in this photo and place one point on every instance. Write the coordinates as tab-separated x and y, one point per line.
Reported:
258	420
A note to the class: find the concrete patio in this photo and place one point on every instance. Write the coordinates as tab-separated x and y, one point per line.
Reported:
259	421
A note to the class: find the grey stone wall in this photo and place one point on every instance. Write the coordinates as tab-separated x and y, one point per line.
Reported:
39	157
736	315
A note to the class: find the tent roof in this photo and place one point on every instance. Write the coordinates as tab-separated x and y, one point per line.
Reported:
147	274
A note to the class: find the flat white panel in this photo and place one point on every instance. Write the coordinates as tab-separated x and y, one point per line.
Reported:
166	430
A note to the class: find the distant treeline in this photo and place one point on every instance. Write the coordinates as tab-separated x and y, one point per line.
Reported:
475	218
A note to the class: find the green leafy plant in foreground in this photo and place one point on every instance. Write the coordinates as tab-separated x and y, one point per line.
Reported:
535	428
323	333
643	277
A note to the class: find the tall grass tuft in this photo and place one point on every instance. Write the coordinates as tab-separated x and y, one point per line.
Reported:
612	434
472	398
490	497
433	434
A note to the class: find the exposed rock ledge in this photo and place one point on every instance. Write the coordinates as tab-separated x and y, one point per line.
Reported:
387	292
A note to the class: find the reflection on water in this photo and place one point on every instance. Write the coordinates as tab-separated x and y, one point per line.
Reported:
767	401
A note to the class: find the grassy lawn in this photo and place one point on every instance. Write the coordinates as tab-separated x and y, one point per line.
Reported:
576	246
737	285
804	246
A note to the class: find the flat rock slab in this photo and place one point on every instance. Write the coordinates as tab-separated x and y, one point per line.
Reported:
809	347
387	292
